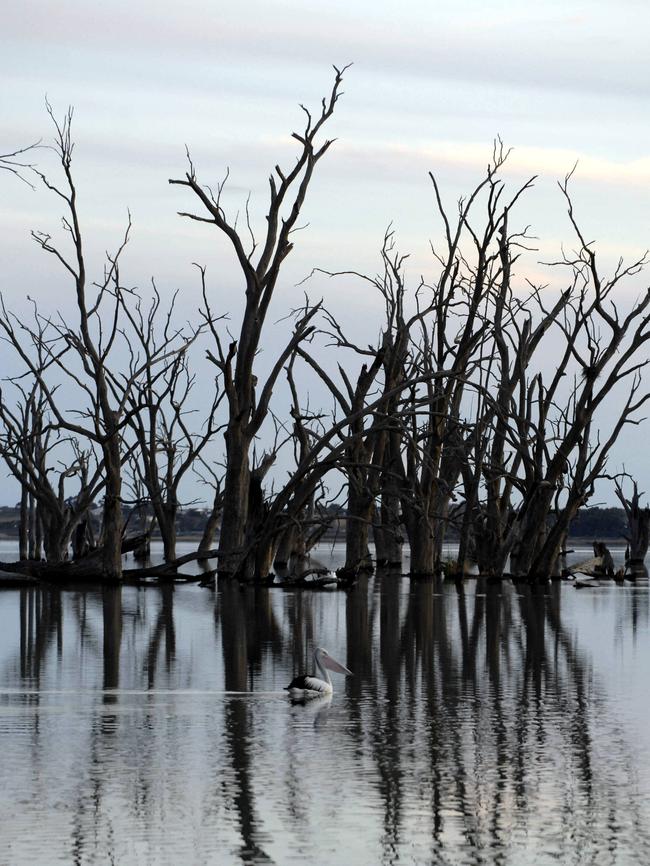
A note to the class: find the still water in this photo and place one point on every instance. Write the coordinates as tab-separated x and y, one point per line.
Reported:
483	724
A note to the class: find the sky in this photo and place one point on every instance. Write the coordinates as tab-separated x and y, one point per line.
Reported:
432	84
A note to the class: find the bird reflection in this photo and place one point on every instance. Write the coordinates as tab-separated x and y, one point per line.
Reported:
315	707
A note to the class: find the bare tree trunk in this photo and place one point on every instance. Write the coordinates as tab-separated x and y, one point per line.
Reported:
359	518
168	531
533	531
387	532
638	521
23	528
55	539
256	561
236	492
547	562
38	534
423	546
79	540
292	549
32	527
286	546
248	399
387	527
467	541
212	524
111	560
264	557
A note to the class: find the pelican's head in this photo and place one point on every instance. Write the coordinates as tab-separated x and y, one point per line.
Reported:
321	655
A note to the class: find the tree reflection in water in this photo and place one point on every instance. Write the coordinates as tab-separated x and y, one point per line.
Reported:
474	727
248	628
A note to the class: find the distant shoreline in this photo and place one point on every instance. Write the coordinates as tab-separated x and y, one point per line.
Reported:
579	540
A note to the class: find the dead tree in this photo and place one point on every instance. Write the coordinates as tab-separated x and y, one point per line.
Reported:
447	357
214	515
14	162
85	354
308	524
104	429
492	478
43	460
247	398
326	454
561	443
358	453
369	461
638	522
159	416
532	452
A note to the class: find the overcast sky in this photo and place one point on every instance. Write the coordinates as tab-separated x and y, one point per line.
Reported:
432	84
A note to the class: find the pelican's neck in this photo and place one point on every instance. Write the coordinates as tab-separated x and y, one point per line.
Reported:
321	670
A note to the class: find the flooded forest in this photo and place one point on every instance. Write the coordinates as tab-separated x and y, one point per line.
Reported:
404	501
452	420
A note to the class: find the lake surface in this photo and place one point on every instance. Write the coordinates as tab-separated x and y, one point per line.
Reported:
483	724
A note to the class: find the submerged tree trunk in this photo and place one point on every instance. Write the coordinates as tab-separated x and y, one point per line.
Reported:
387	532
292	548
423	546
80	540
38	533
236	493
166	517
55	539
212	524
289	542
111	554
547	562
360	510
532	535
248	398
255	559
23	527
387	526
169	537
263	559
32	526
638	538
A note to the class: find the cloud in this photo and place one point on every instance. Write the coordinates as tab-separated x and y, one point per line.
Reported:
556	47
525	161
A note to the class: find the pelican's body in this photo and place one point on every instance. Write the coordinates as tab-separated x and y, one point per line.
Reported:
320	683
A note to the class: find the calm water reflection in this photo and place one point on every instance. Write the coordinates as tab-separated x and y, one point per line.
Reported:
483	725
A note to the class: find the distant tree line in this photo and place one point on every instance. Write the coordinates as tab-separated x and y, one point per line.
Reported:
599	523
589	523
487	405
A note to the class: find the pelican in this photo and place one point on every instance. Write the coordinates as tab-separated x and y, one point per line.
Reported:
320	683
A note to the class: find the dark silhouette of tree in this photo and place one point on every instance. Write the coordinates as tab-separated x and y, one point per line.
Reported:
638	527
247	396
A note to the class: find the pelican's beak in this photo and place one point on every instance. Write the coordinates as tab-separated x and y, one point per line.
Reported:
335	666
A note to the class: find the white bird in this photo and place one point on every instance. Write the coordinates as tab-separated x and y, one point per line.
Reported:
320	683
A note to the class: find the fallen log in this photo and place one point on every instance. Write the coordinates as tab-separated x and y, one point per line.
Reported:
31	568
310	577
87	570
316	577
587	566
18	582
330	582
131	578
